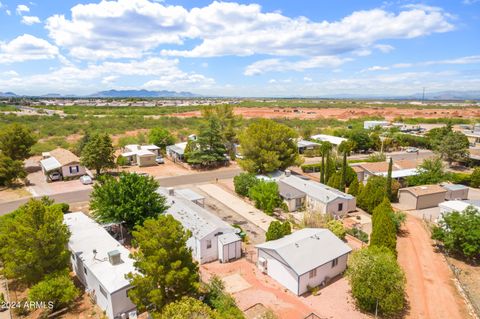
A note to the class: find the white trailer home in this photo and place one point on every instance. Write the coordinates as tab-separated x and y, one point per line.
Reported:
100	263
212	238
307	258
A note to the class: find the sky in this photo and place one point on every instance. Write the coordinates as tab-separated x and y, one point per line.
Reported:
243	48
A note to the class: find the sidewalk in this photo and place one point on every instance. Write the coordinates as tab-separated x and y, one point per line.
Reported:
3	289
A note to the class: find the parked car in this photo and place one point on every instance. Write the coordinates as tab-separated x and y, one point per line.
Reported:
86	180
55	176
412	150
160	160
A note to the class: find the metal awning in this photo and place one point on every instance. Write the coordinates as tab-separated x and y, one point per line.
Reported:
50	164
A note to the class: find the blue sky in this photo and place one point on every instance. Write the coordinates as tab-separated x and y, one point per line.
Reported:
242	48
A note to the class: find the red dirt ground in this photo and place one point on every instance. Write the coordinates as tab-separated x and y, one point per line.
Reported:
430	287
388	113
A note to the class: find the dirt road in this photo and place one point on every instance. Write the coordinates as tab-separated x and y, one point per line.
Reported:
430	287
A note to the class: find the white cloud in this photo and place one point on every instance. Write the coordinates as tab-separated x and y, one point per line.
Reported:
29	20
8	12
132	28
10	73
468	2
21	8
280	65
385	48
307	79
26	47
472	59
375	68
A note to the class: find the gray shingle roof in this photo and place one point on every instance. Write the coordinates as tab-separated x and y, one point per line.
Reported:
307	249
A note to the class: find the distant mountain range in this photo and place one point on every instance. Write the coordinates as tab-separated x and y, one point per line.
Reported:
443	95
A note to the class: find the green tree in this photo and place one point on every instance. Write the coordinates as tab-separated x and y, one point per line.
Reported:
10	170
268	146
454	147
33	242
384	233
437	135
187	308
208	150
16	140
335	180
222	302
431	171
98	153
377	281
243	182
361	140
336	227
325	149
460	232
165	269
475	177
345	148
354	187
389	179
372	194
266	196
130	199
82	142
57	289
160	137
277	230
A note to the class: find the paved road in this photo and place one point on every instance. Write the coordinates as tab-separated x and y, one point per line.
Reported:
84	195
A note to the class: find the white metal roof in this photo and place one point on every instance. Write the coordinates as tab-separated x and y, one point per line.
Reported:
189	194
128	154
142	153
335	140
314	189
50	164
228	238
399	173
178	148
86	236
149	147
307	248
305	143
454	205
454	187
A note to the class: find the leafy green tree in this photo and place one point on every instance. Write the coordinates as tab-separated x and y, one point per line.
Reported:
361	140
268	146
57	289
166	271
436	136
454	147
208	150
277	230
160	137
372	194
377	281
460	232
33	242
431	171
266	196
82	142
354	187
130	199
98	153
243	182
384	233
10	170
16	140
325	149
475	177
221	301
336	227
187	308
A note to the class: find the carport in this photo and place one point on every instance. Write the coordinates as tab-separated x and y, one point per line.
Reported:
50	165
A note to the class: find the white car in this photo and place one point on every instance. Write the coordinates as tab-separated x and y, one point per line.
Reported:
55	176
86	180
411	150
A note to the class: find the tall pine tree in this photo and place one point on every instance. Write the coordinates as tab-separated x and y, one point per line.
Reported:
384	233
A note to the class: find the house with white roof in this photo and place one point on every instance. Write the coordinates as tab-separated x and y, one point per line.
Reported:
304	145
374	124
141	155
401	169
100	263
212	238
306	258
457	205
334	140
298	192
176	152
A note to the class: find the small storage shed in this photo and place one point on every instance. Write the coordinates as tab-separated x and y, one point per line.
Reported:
455	191
421	197
229	247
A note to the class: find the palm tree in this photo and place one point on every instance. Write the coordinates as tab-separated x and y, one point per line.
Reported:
325	149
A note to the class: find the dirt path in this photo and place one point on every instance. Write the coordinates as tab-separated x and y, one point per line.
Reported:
430	288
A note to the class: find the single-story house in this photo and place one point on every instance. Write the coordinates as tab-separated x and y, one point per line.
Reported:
141	155
100	264
400	169
374	124
334	140
306	258
421	197
176	152
304	145
298	192
457	205
62	161
456	191
212	238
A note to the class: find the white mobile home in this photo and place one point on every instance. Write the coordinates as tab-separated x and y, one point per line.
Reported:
212	238
307	258
141	155
374	124
298	192
62	161
334	140
100	263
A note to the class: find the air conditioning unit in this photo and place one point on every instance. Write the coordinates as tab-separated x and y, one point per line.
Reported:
123	316
114	257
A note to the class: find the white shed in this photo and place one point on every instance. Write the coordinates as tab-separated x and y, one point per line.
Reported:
229	247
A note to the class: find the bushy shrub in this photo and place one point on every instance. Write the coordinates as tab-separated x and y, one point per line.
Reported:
336	227
266	196
243	182
358	233
57	289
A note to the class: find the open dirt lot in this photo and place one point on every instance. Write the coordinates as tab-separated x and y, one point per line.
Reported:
431	291
344	114
9	194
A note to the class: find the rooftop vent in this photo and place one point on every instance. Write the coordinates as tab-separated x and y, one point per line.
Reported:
288	172
114	257
171	191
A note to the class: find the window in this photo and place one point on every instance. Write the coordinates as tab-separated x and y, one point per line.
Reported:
74	169
334	262
104	293
209	244
298	202
340	206
312	273
85	270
